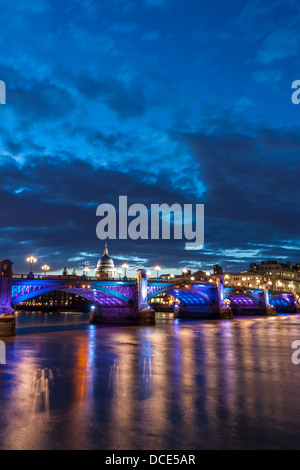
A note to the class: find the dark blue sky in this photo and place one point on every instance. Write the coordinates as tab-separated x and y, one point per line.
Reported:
183	101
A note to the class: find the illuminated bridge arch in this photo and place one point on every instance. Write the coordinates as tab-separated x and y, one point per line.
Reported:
240	299
281	300
187	296
103	296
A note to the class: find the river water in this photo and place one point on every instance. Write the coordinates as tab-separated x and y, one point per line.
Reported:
177	385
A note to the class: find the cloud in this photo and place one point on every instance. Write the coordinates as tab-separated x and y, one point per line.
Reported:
124	28
251	186
126	99
155	3
151	36
49	207
273	27
268	77
279	45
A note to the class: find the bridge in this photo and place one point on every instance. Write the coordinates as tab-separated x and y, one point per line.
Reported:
127	300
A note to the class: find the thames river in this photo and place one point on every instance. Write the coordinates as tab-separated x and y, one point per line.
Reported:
177	385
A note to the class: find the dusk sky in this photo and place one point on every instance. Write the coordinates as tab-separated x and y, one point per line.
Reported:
165	101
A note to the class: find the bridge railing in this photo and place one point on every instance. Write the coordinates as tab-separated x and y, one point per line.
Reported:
277	290
61	277
159	280
68	278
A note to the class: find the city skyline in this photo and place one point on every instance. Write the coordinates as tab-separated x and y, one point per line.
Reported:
166	101
88	267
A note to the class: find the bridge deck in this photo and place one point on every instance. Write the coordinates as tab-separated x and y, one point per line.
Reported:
109	281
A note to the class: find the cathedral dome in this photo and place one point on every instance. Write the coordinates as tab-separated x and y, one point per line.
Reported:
105	266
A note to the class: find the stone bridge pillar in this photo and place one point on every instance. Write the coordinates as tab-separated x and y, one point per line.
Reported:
146	315
225	311
270	311
7	319
136	311
297	302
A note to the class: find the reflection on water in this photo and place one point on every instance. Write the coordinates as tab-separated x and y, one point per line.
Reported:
177	385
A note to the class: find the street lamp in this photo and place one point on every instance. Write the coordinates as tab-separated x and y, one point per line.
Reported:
120	272
125	267
172	276
86	270
207	273
184	271
31	260
157	269
45	268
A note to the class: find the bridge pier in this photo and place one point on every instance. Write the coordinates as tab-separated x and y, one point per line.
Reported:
194	311
225	311
136	313
146	315
269	310
123	315
119	314
7	319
